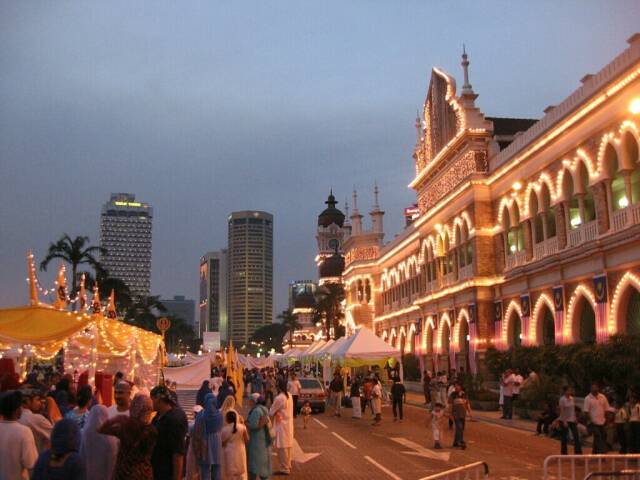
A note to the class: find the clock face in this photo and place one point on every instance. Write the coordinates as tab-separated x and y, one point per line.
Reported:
333	244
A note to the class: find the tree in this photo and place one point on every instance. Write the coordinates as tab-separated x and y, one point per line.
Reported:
290	321
75	252
106	284
144	312
269	337
180	335
329	298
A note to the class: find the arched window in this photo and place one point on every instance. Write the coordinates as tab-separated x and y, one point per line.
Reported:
537	218
548	326
461	247
581	205
444	336
586	321
514	332
514	234
429	340
613	169
630	151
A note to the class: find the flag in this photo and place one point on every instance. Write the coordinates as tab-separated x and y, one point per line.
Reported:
61	290
436	350
525	306
600	288
472	339
497	323
417	338
558	304
111	308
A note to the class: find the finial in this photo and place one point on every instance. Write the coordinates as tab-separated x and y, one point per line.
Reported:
33	287
466	88
346	207
376	205
355	200
418	126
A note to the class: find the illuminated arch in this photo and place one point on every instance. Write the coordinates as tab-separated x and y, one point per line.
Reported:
462	316
617	323
535	332
581	291
444	319
410	341
513	308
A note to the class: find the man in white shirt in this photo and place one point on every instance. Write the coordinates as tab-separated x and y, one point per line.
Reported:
596	405
122	398
31	417
18	452
518	380
294	387
508	379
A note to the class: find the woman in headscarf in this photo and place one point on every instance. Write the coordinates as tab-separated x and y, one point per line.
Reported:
259	447
234	437
229	405
98	451
202	392
62	461
52	412
62	395
137	439
206	440
81	412
223	392
282	414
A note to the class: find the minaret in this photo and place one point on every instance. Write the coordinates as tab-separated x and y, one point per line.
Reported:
467	94
356	218
376	213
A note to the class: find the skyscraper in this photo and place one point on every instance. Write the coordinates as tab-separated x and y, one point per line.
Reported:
213	293
181	307
300	287
250	273
125	233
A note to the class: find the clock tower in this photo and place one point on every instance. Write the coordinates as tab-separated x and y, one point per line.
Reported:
333	231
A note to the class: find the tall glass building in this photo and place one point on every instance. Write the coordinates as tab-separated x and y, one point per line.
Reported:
250	273
213	293
125	233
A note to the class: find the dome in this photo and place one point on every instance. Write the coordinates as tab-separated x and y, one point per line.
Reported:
305	300
331	214
332	266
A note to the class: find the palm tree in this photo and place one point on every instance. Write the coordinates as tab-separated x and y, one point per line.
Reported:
329	298
144	312
75	252
290	321
106	284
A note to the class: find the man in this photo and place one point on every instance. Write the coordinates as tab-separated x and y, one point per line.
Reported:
17	445
122	398
376	401
367	388
596	405
459	409
568	422
398	393
270	388
282	412
336	388
171	424
294	387
32	417
426	387
507	387
518	380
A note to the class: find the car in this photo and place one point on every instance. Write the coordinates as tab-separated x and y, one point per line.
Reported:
313	392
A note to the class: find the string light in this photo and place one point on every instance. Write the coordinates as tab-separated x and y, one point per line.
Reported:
580	291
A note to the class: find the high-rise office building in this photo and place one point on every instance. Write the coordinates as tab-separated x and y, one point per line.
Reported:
181	307
300	287
213	293
125	233
250	273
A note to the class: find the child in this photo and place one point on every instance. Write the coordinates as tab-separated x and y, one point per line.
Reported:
621	418
305	411
437	414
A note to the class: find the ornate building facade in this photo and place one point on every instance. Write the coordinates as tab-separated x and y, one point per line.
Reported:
528	233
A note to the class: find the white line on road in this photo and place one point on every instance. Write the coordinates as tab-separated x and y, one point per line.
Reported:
384	469
320	423
344	441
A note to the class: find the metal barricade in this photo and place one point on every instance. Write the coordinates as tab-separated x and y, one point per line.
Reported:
626	474
577	467
473	471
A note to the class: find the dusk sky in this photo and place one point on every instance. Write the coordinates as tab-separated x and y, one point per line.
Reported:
202	108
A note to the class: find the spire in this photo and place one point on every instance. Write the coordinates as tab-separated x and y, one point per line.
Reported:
33	287
355	201
418	127
61	289
356	218
376	205
111	308
331	201
467	89
346	208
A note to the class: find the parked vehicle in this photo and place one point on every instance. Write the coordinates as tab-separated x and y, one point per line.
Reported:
313	392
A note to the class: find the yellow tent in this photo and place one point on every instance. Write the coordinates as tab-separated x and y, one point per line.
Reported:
235	372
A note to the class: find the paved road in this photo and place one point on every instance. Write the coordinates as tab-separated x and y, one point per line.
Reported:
354	449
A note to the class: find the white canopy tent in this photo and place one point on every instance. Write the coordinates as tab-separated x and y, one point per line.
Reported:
364	348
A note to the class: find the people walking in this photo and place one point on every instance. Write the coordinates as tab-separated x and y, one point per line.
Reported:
17	444
436	417
137	439
171	424
97	450
459	410
207	440
259	447
596	405
202	392
62	461
376	402
282	413
426	387
398	393
234	438
568	421
293	388
80	413
354	394
336	388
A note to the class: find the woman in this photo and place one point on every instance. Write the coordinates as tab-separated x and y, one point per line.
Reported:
52	412
62	395
81	412
62	461
376	402
259	448
282	414
355	399
206	440
229	405
137	439
234	437
98	451
202	392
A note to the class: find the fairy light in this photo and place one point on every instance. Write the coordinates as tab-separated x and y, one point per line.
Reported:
580	291
628	279
513	307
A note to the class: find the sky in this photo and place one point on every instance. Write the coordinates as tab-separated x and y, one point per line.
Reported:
203	108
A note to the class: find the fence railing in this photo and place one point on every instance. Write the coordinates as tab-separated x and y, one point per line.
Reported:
626	474
578	467
473	471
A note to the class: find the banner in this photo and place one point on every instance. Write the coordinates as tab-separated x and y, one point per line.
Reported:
525	306
497	324
558	305
473	332
600	289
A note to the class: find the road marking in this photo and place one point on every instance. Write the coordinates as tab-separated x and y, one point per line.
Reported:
421	451
299	456
320	423
344	441
384	469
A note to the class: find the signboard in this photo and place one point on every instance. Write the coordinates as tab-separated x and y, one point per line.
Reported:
210	341
411	213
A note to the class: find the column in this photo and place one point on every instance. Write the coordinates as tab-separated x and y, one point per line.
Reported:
528	238
561	225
